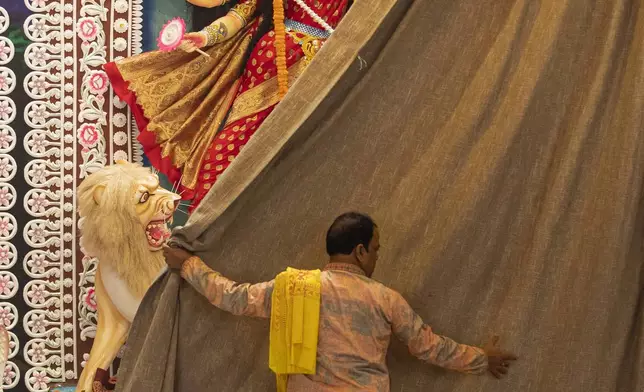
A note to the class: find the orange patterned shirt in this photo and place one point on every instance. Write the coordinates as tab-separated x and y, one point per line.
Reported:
357	318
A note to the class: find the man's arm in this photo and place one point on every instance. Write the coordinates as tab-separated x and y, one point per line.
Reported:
241	299
430	347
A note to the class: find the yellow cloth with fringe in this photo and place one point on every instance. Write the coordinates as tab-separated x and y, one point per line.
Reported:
295	321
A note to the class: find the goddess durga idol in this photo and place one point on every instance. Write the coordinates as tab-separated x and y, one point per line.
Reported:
195	113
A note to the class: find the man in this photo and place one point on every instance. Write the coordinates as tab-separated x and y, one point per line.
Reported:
357	315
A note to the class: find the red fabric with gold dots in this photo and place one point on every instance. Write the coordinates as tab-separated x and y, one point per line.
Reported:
260	68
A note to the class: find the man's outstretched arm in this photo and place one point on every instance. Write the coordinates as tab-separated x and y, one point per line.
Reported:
241	299
441	350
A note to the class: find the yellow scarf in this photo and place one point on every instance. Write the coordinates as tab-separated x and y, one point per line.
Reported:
295	319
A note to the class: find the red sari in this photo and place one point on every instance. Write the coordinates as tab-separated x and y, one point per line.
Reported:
254	97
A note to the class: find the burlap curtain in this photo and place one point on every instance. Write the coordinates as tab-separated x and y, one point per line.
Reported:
499	146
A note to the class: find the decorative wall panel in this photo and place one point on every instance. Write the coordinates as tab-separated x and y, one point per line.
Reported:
59	122
9	285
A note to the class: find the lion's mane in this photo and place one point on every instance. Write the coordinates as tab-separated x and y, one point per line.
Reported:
111	230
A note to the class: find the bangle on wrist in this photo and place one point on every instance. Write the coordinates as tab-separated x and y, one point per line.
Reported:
215	33
243	12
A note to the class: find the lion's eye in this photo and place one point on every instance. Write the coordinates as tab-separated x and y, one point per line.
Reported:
144	197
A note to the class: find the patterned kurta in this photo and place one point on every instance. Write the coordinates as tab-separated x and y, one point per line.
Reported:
357	318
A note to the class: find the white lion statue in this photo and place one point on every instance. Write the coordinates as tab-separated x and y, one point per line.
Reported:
124	215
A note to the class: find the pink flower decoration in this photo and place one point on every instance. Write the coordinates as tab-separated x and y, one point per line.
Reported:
6	317
37	323
38	352
9	375
5	51
90	299
39	56
38	84
38	202
97	82
171	35
6	285
6	81
5	110
37	263
6	227
5	255
88	136
5	139
87	29
5	196
37	293
39	380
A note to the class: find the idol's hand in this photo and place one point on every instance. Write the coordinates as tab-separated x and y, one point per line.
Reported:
175	256
193	41
498	360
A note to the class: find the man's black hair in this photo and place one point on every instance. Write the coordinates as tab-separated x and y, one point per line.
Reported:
348	231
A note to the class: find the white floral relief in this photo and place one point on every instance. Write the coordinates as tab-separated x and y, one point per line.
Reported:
6	50
8	255
9	319
87	304
92	117
7	110
9	285
4	20
43	141
7	81
44	56
8	167
7	139
69	135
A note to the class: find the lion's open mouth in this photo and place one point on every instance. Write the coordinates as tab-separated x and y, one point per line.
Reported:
157	233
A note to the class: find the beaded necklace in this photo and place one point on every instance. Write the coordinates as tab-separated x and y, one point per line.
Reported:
280	40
